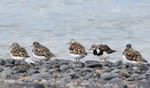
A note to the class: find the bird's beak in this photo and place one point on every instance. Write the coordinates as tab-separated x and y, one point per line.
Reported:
31	46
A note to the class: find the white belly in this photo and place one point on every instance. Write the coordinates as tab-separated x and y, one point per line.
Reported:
17	57
129	61
39	57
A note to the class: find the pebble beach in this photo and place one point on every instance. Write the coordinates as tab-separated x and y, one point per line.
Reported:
59	73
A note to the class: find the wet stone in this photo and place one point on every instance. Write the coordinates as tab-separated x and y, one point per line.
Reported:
71	74
5	73
130	79
18	62
18	69
107	69
63	82
91	62
33	71
109	76
47	66
128	65
77	65
2	62
116	80
64	62
108	63
10	61
143	76
106	76
41	76
54	70
36	85
64	67
118	63
1	69
87	70
94	65
115	71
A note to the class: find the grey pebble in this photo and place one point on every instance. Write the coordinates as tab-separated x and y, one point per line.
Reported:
47	66
94	65
64	67
109	76
108	63
2	62
107	69
18	69
91	62
77	65
41	76
143	76
1	69
115	71
106	76
118	63
6	73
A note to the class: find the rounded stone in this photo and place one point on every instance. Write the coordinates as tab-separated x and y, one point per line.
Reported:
109	76
53	70
118	63
106	76
77	65
107	69
108	63
72	75
2	62
63	82
64	62
116	80
18	62
1	69
36	85
18	69
41	76
47	66
94	65
64	67
6	73
143	76
91	62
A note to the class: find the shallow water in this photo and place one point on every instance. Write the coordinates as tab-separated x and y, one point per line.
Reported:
54	22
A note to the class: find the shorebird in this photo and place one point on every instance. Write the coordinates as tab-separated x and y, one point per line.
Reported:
102	51
41	52
76	50
18	52
132	56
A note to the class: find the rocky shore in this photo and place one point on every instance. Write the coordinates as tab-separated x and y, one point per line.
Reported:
60	73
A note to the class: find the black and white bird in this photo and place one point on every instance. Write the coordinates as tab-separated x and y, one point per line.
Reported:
102	51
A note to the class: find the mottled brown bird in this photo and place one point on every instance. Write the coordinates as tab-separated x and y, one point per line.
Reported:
76	50
132	56
18	52
41	52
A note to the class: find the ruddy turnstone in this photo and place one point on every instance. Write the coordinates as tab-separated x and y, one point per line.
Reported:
102	51
132	56
18	52
76	50
41	52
